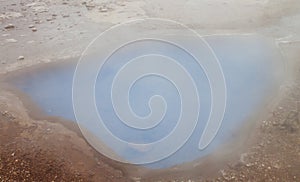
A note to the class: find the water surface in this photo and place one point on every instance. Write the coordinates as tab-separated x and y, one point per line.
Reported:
253	71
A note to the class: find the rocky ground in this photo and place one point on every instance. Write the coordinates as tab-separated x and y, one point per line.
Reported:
40	31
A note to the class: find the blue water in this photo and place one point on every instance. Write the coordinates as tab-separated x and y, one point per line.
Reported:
252	68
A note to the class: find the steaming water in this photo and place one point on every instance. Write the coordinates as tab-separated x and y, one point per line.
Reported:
252	68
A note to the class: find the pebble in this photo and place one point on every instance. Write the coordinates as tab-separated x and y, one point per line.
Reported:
40	9
225	175
11	40
277	166
49	19
249	165
34	29
89	6
21	58
103	10
65	16
136	179
31	26
9	26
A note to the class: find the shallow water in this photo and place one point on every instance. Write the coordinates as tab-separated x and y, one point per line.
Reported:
253	71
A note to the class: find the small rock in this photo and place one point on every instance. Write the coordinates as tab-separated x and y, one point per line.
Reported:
21	58
65	16
38	22
103	10
11	40
30	4
91	173
277	166
249	165
89	6
13	154
34	29
9	26
49	19
136	179
40	9
225	175
31	26
118	174
261	144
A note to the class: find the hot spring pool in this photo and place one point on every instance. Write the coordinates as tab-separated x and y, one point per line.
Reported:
253	70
